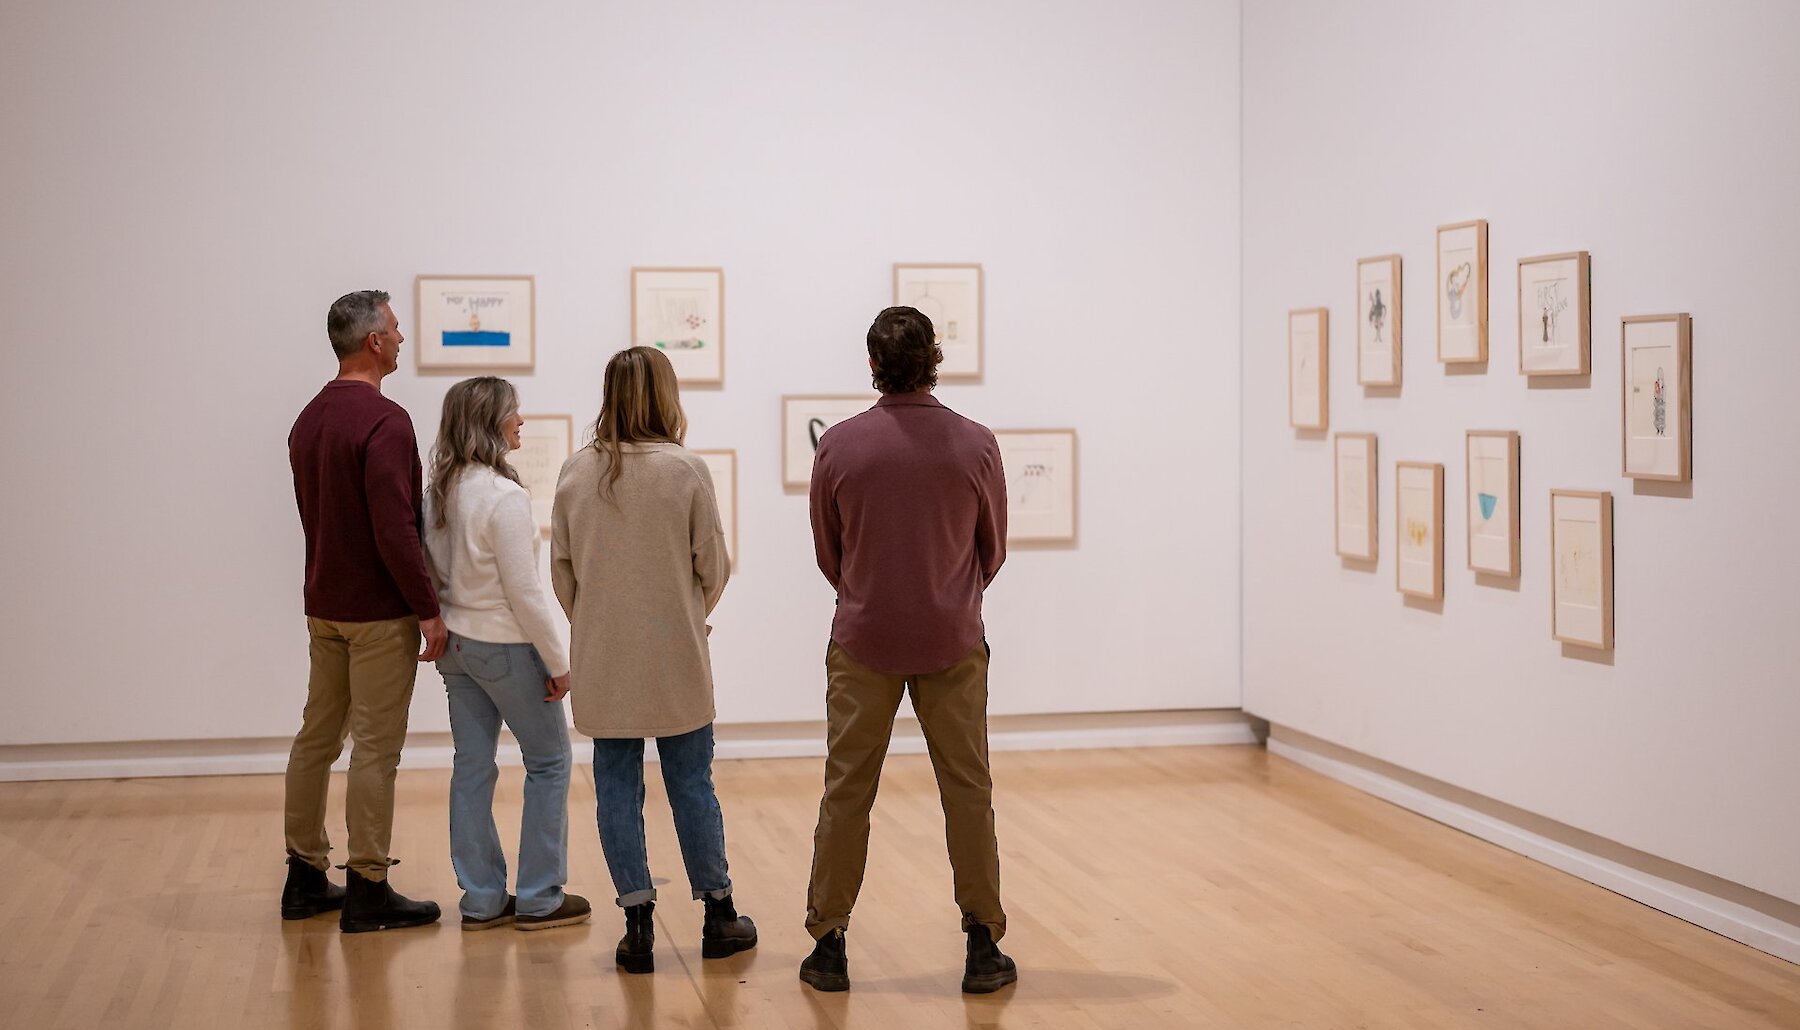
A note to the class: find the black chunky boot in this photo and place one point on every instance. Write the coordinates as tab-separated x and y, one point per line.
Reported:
987	969
637	949
725	933
828	967
308	891
375	905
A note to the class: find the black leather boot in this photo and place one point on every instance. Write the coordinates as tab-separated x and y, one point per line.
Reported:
828	967
308	891
986	969
725	933
637	949
375	905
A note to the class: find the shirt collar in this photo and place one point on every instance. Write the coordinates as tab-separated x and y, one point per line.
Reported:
918	397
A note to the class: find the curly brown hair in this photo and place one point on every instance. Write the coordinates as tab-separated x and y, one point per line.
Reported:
903	351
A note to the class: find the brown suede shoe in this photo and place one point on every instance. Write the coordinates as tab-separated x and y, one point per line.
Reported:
505	917
574	909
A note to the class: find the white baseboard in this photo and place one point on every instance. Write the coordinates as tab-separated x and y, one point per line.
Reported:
1692	901
743	740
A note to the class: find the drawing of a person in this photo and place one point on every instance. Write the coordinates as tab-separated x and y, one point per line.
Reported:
1377	313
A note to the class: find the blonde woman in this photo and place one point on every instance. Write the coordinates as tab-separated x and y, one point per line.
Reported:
505	663
638	562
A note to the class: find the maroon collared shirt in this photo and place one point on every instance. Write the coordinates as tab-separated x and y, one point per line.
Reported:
909	523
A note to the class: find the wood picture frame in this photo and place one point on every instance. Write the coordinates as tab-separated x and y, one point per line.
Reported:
1581	568
1462	292
1657	382
681	312
1555	291
804	419
1355	503
1309	368
1491	474
1043	484
1379	305
1419	529
474	323
721	463
953	297
545	443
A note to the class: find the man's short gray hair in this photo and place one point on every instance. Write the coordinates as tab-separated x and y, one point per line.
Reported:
352	318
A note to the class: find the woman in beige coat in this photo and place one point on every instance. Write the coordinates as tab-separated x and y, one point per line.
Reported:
638	561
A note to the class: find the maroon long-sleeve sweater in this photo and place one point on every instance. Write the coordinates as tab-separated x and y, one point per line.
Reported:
358	482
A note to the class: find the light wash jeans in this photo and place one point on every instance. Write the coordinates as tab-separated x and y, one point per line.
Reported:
686	763
489	683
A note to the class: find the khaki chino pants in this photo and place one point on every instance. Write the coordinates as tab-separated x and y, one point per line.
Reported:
361	687
952	709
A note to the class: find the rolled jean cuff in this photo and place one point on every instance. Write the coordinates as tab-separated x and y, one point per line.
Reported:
636	898
722	892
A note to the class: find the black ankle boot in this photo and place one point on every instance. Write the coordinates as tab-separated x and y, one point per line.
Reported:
637	949
375	905
308	891
828	967
725	933
986	970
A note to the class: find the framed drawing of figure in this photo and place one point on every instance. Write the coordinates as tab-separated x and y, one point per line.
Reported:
1042	484
1354	506
1492	458
951	296
1462	292
475	323
681	312
1658	429
1378	321
1581	571
1419	523
804	420
1554	314
1309	382
545	442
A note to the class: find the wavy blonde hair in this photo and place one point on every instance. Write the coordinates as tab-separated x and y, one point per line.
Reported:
640	403
470	433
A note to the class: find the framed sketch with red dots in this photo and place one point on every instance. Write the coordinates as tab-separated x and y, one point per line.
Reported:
681	312
949	295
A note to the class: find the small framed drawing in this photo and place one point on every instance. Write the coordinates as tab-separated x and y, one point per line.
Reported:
723	466
949	295
1658	397
1462	292
1419	521
545	442
1493	479
681	312
1581	574
468	323
803	421
1042	484
1378	321
1353	496
1309	385
1553	314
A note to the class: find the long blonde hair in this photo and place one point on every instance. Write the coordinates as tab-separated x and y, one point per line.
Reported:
640	403
471	433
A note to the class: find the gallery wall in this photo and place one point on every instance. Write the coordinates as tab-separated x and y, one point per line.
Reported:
1655	137
188	186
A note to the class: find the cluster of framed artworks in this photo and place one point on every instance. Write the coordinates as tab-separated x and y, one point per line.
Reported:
1553	340
487	323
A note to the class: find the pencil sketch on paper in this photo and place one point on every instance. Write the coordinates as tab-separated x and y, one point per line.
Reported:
1030	487
1456	283
1649	415
950	305
680	317
1353	491
1578	562
1551	303
1377	313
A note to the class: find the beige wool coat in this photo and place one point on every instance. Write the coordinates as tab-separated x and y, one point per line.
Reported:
637	573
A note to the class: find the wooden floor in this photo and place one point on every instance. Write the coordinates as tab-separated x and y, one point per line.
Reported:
1162	887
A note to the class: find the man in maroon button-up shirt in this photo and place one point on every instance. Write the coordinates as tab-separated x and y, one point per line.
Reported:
909	523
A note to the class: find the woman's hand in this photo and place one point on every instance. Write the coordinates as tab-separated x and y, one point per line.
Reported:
556	688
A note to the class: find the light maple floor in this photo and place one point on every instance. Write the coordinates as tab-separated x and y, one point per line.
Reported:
1162	887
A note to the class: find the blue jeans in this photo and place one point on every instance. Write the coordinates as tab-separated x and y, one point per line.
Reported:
619	802
489	683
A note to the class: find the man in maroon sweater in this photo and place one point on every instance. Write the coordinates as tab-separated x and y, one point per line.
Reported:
909	526
369	599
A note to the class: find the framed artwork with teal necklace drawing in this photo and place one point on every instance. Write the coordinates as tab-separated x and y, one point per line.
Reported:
1462	292
1493	481
804	421
474	323
681	312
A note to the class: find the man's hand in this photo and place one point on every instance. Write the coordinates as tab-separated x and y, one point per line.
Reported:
556	688
436	636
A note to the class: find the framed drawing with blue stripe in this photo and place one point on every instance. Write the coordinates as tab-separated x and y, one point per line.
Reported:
475	323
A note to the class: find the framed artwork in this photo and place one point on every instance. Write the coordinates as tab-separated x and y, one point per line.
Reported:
1462	292
1493	481
1309	384
1554	314
545	442
1353	495
951	296
1419	522
1581	574
1378	321
1042	484
1659	435
681	312
470	323
723	466
803	421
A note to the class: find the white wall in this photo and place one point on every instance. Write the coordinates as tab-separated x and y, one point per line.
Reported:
187	188
1660	138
